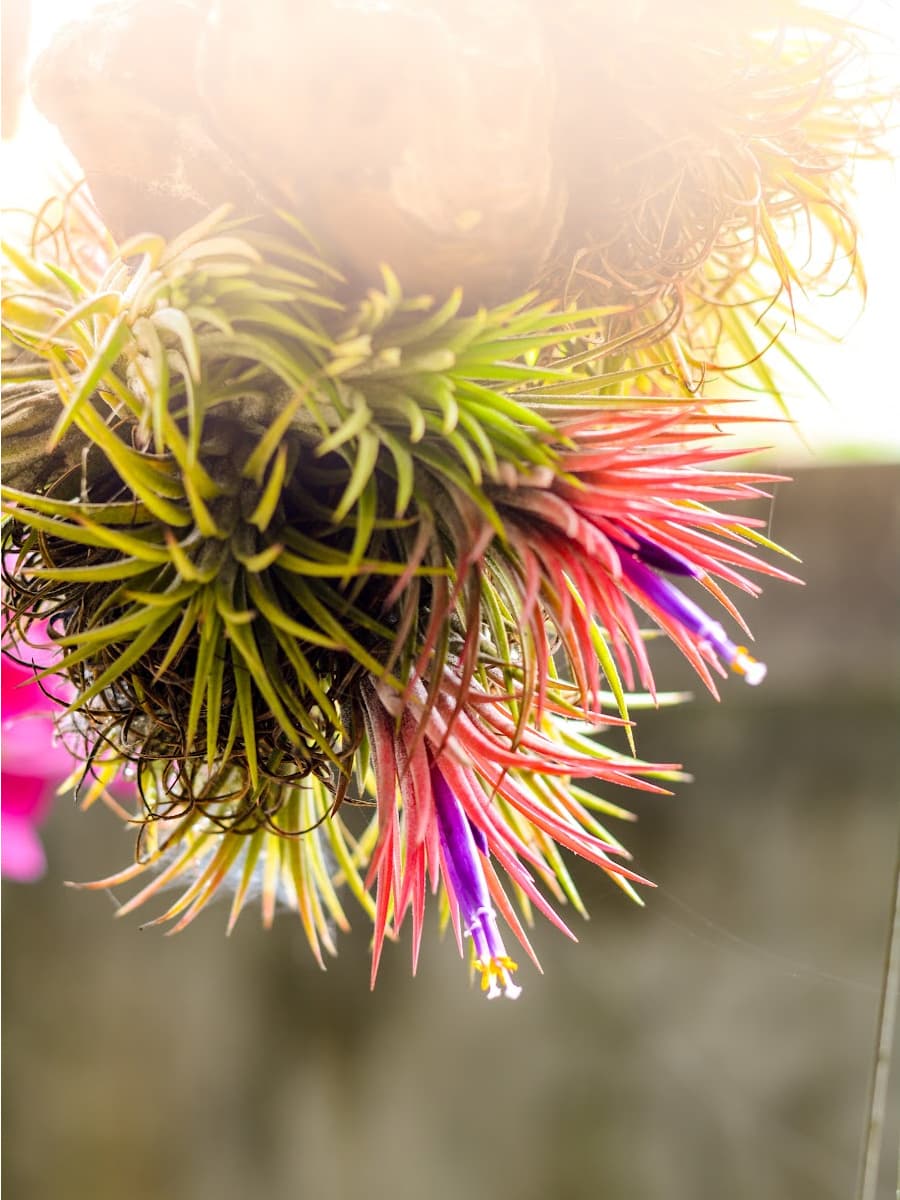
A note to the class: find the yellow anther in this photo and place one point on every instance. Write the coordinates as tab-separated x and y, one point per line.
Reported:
497	973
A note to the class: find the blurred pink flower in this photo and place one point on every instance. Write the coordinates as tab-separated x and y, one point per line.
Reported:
34	763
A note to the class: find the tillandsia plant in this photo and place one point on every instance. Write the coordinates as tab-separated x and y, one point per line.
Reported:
726	195
347	578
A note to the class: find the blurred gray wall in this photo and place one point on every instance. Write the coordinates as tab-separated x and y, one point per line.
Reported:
715	1045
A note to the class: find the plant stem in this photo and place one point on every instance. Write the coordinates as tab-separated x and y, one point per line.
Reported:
884	1039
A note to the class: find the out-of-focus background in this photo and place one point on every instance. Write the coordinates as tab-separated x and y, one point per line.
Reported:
715	1044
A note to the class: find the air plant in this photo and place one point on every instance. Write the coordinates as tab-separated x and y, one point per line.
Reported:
297	554
349	578
716	188
690	163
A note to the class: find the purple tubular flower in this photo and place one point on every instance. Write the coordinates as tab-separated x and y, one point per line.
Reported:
680	608
465	875
655	555
480	840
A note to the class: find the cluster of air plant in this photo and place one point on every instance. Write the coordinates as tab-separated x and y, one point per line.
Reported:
349	579
726	193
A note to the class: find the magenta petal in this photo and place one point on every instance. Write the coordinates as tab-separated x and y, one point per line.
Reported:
22	693
26	796
31	747
21	853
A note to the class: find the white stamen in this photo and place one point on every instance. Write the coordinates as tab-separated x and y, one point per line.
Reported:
753	672
511	990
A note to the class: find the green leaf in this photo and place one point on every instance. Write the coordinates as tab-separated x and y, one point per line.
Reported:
244	709
210	645
244	643
129	513
120	630
255	466
130	655
268	502
182	633
262	597
123	568
358	420
112	344
610	671
176	322
362	467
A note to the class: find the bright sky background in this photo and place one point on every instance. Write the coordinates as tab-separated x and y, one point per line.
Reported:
862	416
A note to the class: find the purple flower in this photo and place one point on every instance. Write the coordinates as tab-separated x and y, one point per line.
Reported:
653	554
462	800
461	854
672	602
630	517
